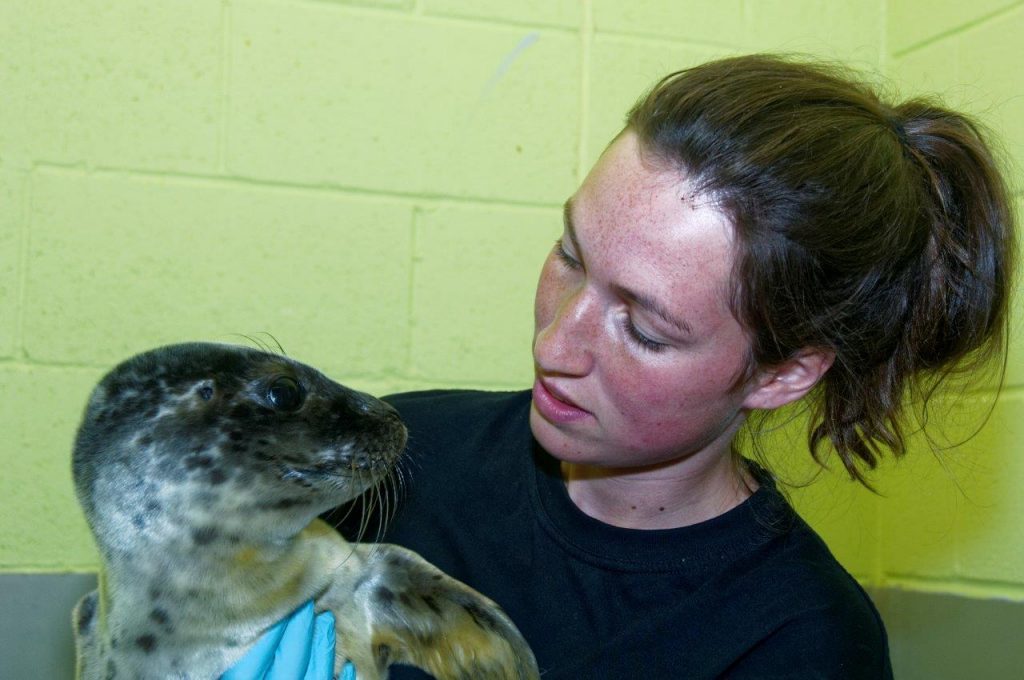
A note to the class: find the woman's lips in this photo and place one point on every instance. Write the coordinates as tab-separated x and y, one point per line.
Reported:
555	406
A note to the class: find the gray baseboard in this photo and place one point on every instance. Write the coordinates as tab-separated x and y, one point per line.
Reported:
931	636
937	636
35	624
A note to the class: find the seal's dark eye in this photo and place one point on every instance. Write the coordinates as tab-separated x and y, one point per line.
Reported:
206	393
284	394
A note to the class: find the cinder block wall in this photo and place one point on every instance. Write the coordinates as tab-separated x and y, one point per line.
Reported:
376	184
959	530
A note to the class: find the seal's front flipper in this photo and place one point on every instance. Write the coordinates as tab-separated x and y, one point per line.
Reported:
83	621
415	614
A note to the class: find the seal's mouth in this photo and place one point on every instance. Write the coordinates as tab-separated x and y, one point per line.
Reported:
332	484
361	466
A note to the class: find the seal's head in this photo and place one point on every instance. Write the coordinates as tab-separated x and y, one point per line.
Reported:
189	442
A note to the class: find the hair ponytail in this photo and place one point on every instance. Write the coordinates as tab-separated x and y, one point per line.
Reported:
969	260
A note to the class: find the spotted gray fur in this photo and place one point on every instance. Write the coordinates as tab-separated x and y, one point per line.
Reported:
201	469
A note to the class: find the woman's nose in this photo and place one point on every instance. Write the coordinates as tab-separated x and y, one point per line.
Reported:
564	344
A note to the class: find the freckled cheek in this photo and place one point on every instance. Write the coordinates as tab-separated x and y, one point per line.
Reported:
638	395
545	302
654	402
666	419
649	418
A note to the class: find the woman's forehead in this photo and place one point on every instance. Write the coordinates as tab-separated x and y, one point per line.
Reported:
629	197
630	181
642	228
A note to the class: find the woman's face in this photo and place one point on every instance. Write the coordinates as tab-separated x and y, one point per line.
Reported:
635	349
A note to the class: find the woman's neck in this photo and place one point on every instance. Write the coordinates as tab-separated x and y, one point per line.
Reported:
664	497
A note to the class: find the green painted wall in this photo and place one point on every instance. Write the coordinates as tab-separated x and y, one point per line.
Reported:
959	530
376	184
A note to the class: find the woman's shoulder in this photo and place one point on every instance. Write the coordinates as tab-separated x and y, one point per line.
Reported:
830	630
818	619
797	562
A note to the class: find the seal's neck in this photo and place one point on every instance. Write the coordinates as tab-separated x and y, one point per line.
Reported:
156	610
237	578
204	558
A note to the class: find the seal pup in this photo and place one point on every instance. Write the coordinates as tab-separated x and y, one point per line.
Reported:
201	469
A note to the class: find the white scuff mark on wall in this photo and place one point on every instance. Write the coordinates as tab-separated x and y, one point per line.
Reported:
506	63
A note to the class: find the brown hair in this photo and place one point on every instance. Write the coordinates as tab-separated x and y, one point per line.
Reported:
881	233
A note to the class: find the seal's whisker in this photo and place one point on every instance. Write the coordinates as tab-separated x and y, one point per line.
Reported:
378	505
349	509
262	344
384	503
251	340
368	507
387	507
280	349
361	533
370	504
394	480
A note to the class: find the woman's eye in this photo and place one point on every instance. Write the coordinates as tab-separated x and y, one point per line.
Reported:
640	339
284	394
564	256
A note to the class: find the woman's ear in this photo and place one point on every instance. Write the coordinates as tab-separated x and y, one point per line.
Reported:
783	384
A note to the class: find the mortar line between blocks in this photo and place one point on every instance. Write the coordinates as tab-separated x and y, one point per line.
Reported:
664	41
425	17
417	213
105	365
217	181
24	243
963	586
586	38
1011	390
877	558
225	80
47	569
957	30
883	56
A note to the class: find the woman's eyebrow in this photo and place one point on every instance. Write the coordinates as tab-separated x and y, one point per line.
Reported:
654	307
643	300
570	228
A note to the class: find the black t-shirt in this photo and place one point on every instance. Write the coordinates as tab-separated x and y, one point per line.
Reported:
752	593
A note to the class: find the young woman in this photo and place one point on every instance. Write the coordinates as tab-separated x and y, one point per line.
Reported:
761	231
